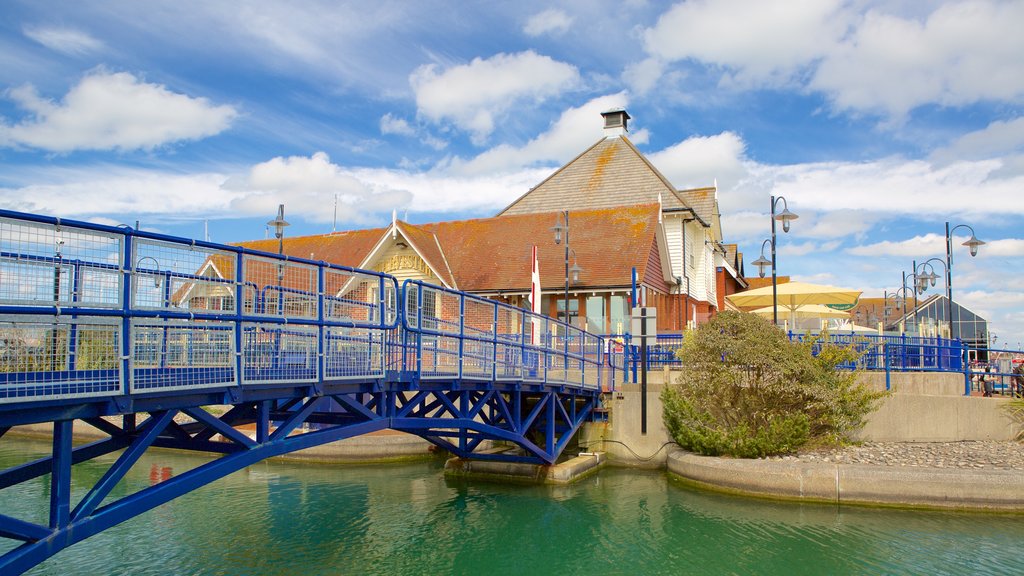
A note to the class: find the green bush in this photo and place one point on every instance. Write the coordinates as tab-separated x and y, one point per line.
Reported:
747	391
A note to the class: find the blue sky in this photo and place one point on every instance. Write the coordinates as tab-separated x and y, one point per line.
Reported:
877	120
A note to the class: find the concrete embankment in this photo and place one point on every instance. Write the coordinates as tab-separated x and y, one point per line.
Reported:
923	407
566	472
855	484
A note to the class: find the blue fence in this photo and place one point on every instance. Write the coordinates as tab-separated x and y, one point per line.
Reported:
90	311
1003	370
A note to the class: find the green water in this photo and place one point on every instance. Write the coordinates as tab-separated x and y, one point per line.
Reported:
283	518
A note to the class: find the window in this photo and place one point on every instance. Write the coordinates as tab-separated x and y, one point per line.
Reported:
574	310
595	315
619	317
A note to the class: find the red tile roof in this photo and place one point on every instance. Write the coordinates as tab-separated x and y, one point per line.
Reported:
493	254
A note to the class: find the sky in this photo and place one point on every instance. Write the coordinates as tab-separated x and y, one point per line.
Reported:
877	121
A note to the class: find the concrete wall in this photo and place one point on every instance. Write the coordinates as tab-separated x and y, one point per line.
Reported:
922	408
922	383
919	418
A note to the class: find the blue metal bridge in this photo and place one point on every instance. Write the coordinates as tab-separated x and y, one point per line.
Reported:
136	333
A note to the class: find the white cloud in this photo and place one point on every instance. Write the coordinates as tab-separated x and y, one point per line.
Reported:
768	43
551	20
963	52
307	185
575	130
998	138
837	224
64	40
390	124
644	75
911	247
474	96
117	190
899	187
1007	247
112	111
701	160
793	250
876	60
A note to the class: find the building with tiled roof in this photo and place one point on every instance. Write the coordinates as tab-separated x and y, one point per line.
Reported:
623	214
614	173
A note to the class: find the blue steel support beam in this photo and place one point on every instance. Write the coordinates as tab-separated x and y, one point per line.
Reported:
215	424
128	458
32	553
60	475
37	468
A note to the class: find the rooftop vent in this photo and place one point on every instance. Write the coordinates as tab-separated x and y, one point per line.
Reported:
615	122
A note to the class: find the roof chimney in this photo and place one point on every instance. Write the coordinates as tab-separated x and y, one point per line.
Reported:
615	122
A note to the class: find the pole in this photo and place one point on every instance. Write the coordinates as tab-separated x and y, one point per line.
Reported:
917	329
567	319
949	281
775	289
643	371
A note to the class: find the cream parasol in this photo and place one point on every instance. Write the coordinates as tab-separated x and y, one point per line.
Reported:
808	311
794	295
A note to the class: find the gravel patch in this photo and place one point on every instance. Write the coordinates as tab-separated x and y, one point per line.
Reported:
972	455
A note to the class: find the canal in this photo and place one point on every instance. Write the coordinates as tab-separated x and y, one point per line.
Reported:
279	518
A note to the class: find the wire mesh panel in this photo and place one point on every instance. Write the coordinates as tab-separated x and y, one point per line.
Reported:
353	298
509	351
279	353
566	360
351	353
273	287
479	338
51	265
439	356
182	277
182	355
47	358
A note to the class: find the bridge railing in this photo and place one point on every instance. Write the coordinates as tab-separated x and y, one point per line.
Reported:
455	335
93	311
88	310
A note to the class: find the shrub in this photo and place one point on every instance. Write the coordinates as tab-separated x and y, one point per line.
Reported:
747	391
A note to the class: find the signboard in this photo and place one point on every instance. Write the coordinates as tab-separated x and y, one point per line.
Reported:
643	325
842	307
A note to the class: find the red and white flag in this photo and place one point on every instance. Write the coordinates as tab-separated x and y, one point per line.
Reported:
535	298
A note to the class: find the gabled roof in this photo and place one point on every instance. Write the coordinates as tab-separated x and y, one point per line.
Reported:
342	248
610	173
704	203
493	254
425	243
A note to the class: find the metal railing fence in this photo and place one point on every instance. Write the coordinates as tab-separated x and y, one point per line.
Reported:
88	310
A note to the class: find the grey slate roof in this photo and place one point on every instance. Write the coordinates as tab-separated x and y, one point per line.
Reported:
610	173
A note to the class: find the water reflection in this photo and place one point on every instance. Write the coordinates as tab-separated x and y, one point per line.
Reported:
285	518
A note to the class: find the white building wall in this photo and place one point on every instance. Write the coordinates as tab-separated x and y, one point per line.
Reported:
674	240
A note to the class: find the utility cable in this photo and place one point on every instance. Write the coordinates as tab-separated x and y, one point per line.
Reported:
635	455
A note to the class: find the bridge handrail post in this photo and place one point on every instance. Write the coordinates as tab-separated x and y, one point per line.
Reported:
321	348
965	355
462	333
239	305
126	320
494	345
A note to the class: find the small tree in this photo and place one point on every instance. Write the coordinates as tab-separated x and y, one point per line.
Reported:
747	391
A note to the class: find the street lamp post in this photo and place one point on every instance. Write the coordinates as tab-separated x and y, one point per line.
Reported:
562	225
925	274
785	217
886	298
972	243
901	292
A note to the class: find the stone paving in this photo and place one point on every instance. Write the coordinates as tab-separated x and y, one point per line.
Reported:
972	455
